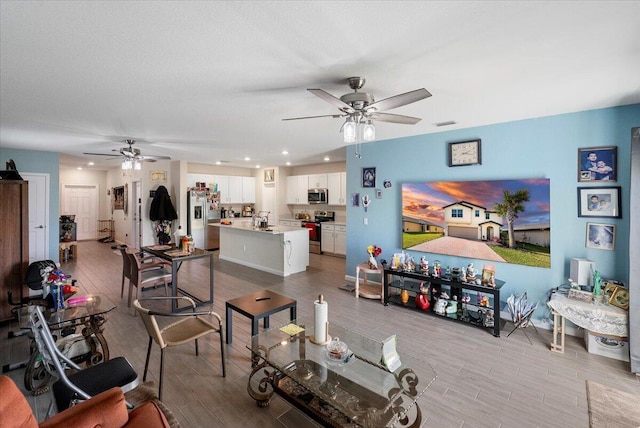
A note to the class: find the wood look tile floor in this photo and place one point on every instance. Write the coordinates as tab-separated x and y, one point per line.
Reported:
483	381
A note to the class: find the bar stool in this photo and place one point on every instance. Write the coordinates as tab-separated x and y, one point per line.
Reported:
368	291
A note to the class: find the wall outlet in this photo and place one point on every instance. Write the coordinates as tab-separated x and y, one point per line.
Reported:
365	220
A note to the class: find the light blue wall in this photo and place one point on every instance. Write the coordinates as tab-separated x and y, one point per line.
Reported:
545	147
43	163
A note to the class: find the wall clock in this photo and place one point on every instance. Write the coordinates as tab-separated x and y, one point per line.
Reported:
465	153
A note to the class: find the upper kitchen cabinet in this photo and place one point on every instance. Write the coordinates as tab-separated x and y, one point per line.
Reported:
337	185
236	190
248	190
318	181
297	189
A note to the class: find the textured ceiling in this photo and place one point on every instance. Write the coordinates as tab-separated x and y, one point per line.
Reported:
208	81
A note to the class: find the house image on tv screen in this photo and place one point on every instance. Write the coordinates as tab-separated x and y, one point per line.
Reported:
466	220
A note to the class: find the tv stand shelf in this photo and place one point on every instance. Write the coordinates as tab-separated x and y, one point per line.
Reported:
468	313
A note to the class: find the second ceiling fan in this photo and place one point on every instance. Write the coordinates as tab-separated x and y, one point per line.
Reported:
361	108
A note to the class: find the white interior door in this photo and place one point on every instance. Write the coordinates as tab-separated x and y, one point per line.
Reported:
82	201
38	216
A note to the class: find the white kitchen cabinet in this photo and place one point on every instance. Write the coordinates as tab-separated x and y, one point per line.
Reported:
318	181
235	189
334	239
337	185
297	189
340	240
248	190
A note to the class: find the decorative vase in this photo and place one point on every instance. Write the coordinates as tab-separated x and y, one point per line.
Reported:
422	302
404	296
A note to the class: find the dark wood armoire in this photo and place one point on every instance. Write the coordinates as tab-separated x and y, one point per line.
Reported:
14	241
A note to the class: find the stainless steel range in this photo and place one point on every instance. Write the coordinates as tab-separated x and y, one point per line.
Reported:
315	229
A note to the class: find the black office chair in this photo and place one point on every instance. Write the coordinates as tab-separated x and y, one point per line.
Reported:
83	383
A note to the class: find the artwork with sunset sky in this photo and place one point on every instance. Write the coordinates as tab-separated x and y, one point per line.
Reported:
449	214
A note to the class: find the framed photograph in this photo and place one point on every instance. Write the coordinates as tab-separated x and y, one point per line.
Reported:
599	202
369	177
158	176
355	199
118	193
488	275
601	236
269	176
597	164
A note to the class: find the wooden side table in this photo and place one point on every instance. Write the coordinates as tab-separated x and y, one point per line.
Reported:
256	306
366	290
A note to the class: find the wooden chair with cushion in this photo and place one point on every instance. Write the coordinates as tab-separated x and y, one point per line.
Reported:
190	326
144	274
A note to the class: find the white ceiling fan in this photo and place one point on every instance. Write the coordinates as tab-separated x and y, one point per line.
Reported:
361	108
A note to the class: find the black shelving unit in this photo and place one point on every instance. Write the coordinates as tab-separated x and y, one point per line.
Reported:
468	313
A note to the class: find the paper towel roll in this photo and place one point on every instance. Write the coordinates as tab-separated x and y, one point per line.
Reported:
321	319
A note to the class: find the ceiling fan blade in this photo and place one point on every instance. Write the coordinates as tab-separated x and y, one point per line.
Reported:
394	118
399	100
103	154
332	100
314	117
154	158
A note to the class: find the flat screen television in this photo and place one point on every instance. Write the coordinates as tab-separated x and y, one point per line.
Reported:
498	220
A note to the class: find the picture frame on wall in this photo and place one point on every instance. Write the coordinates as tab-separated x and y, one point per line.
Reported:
355	199
597	164
269	176
601	236
369	177
599	202
119	198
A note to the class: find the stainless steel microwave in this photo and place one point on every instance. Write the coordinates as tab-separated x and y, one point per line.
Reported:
318	196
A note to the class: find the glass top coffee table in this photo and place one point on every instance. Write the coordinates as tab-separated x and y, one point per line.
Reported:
360	392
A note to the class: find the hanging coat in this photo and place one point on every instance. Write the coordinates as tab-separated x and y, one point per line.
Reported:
161	206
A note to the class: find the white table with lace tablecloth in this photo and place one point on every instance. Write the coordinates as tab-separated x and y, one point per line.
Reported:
598	318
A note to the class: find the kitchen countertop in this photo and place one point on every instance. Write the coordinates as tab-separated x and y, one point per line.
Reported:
247	225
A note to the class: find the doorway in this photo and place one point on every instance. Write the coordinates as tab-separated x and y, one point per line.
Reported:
38	216
82	201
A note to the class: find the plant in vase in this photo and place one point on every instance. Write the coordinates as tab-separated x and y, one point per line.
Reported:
373	251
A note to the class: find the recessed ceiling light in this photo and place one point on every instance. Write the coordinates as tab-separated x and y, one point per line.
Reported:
288	163
80	168
326	158
258	166
91	164
218	162
284	152
247	158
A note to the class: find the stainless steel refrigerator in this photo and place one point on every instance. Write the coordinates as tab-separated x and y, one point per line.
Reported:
204	208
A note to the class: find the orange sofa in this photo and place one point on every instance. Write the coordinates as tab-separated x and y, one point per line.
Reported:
105	410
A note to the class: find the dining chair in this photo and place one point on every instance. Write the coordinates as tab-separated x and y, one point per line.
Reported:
148	263
82	384
190	326
142	276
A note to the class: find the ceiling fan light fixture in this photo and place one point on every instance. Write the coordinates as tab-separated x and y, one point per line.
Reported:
349	131
369	131
126	164
137	165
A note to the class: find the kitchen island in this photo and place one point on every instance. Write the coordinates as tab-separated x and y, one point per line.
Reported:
280	250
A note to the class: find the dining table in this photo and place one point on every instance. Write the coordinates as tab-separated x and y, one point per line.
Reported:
177	256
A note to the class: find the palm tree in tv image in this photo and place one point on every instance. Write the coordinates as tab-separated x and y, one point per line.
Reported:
511	205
